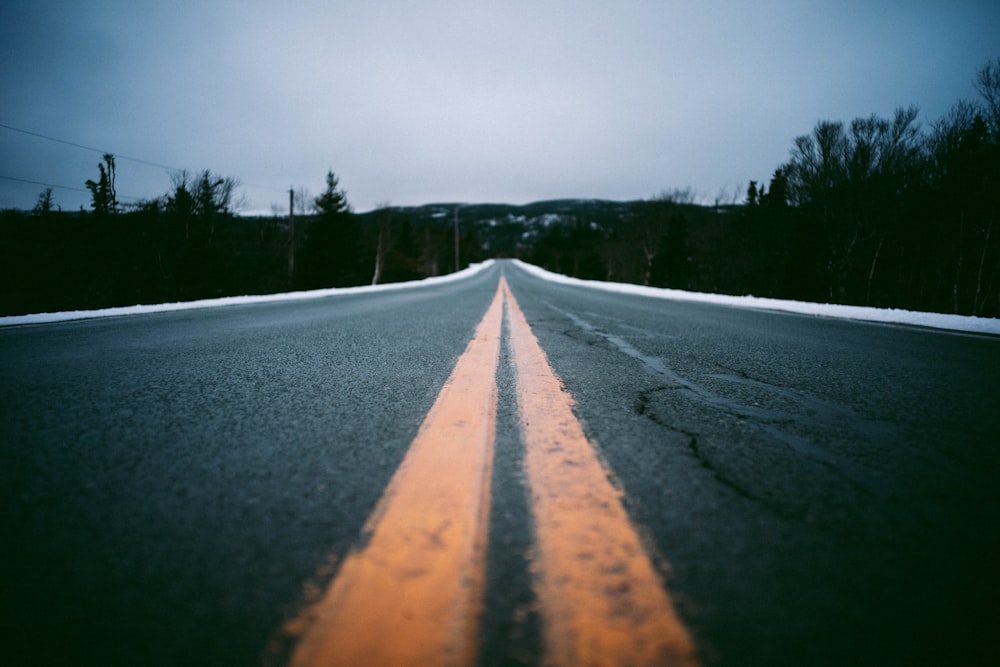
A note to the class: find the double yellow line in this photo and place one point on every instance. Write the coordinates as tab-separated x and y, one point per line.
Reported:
413	593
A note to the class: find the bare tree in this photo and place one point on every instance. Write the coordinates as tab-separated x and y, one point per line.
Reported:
305	203
199	201
988	86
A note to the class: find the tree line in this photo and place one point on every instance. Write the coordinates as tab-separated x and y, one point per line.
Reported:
879	211
191	244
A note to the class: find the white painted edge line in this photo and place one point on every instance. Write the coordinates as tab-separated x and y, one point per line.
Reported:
884	315
46	318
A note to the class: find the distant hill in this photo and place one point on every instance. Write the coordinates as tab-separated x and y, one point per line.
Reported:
506	230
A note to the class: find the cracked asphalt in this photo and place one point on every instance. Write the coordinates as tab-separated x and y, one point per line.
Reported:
819	491
174	487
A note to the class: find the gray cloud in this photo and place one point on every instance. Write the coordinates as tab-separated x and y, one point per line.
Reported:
471	101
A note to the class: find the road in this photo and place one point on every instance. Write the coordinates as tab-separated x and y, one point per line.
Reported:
177	487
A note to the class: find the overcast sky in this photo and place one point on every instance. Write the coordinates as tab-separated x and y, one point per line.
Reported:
419	102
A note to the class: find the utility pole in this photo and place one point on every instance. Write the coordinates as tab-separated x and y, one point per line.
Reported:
457	264
291	236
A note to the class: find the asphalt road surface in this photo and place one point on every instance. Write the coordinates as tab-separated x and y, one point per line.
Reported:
176	487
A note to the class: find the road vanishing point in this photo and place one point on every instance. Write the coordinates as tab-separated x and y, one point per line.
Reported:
498	470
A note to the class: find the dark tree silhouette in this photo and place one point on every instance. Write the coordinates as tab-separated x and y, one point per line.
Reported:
672	265
332	255
333	201
44	205
102	191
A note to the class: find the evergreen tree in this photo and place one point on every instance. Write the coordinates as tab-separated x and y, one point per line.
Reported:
44	205
102	192
333	201
331	256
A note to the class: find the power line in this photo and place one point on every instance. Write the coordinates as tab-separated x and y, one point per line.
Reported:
61	187
116	155
89	148
47	185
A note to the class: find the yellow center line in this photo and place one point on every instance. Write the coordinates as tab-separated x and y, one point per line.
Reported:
413	594
602	601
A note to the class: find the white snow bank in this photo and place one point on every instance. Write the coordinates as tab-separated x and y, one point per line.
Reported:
43	318
894	316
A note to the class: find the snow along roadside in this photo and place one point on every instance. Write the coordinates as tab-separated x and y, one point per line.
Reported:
891	316
45	318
